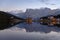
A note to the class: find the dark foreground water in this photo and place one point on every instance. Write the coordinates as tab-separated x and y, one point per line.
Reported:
33	31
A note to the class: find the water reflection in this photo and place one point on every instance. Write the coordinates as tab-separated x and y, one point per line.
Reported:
33	31
36	27
19	35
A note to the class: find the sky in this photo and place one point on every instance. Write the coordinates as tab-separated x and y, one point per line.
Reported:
8	5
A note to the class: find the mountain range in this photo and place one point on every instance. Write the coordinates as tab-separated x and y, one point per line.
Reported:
36	13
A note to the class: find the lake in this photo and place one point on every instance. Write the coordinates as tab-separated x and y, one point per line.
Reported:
34	31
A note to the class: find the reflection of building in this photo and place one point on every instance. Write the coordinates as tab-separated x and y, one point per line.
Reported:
58	21
50	20
44	20
29	20
53	20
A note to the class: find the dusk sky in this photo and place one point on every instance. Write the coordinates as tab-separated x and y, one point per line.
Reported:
8	5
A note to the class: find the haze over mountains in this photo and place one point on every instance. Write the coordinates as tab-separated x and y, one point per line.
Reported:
36	13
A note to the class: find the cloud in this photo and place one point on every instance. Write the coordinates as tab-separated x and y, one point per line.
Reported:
47	2
53	4
43	0
9	35
50	4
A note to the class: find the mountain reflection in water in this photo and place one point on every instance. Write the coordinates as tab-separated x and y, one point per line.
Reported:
36	27
33	31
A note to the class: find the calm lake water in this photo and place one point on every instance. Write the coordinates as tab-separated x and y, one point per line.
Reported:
33	31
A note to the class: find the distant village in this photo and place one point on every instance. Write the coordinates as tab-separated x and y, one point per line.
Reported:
47	20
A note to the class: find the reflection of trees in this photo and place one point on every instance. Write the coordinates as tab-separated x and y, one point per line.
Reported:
7	20
29	20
